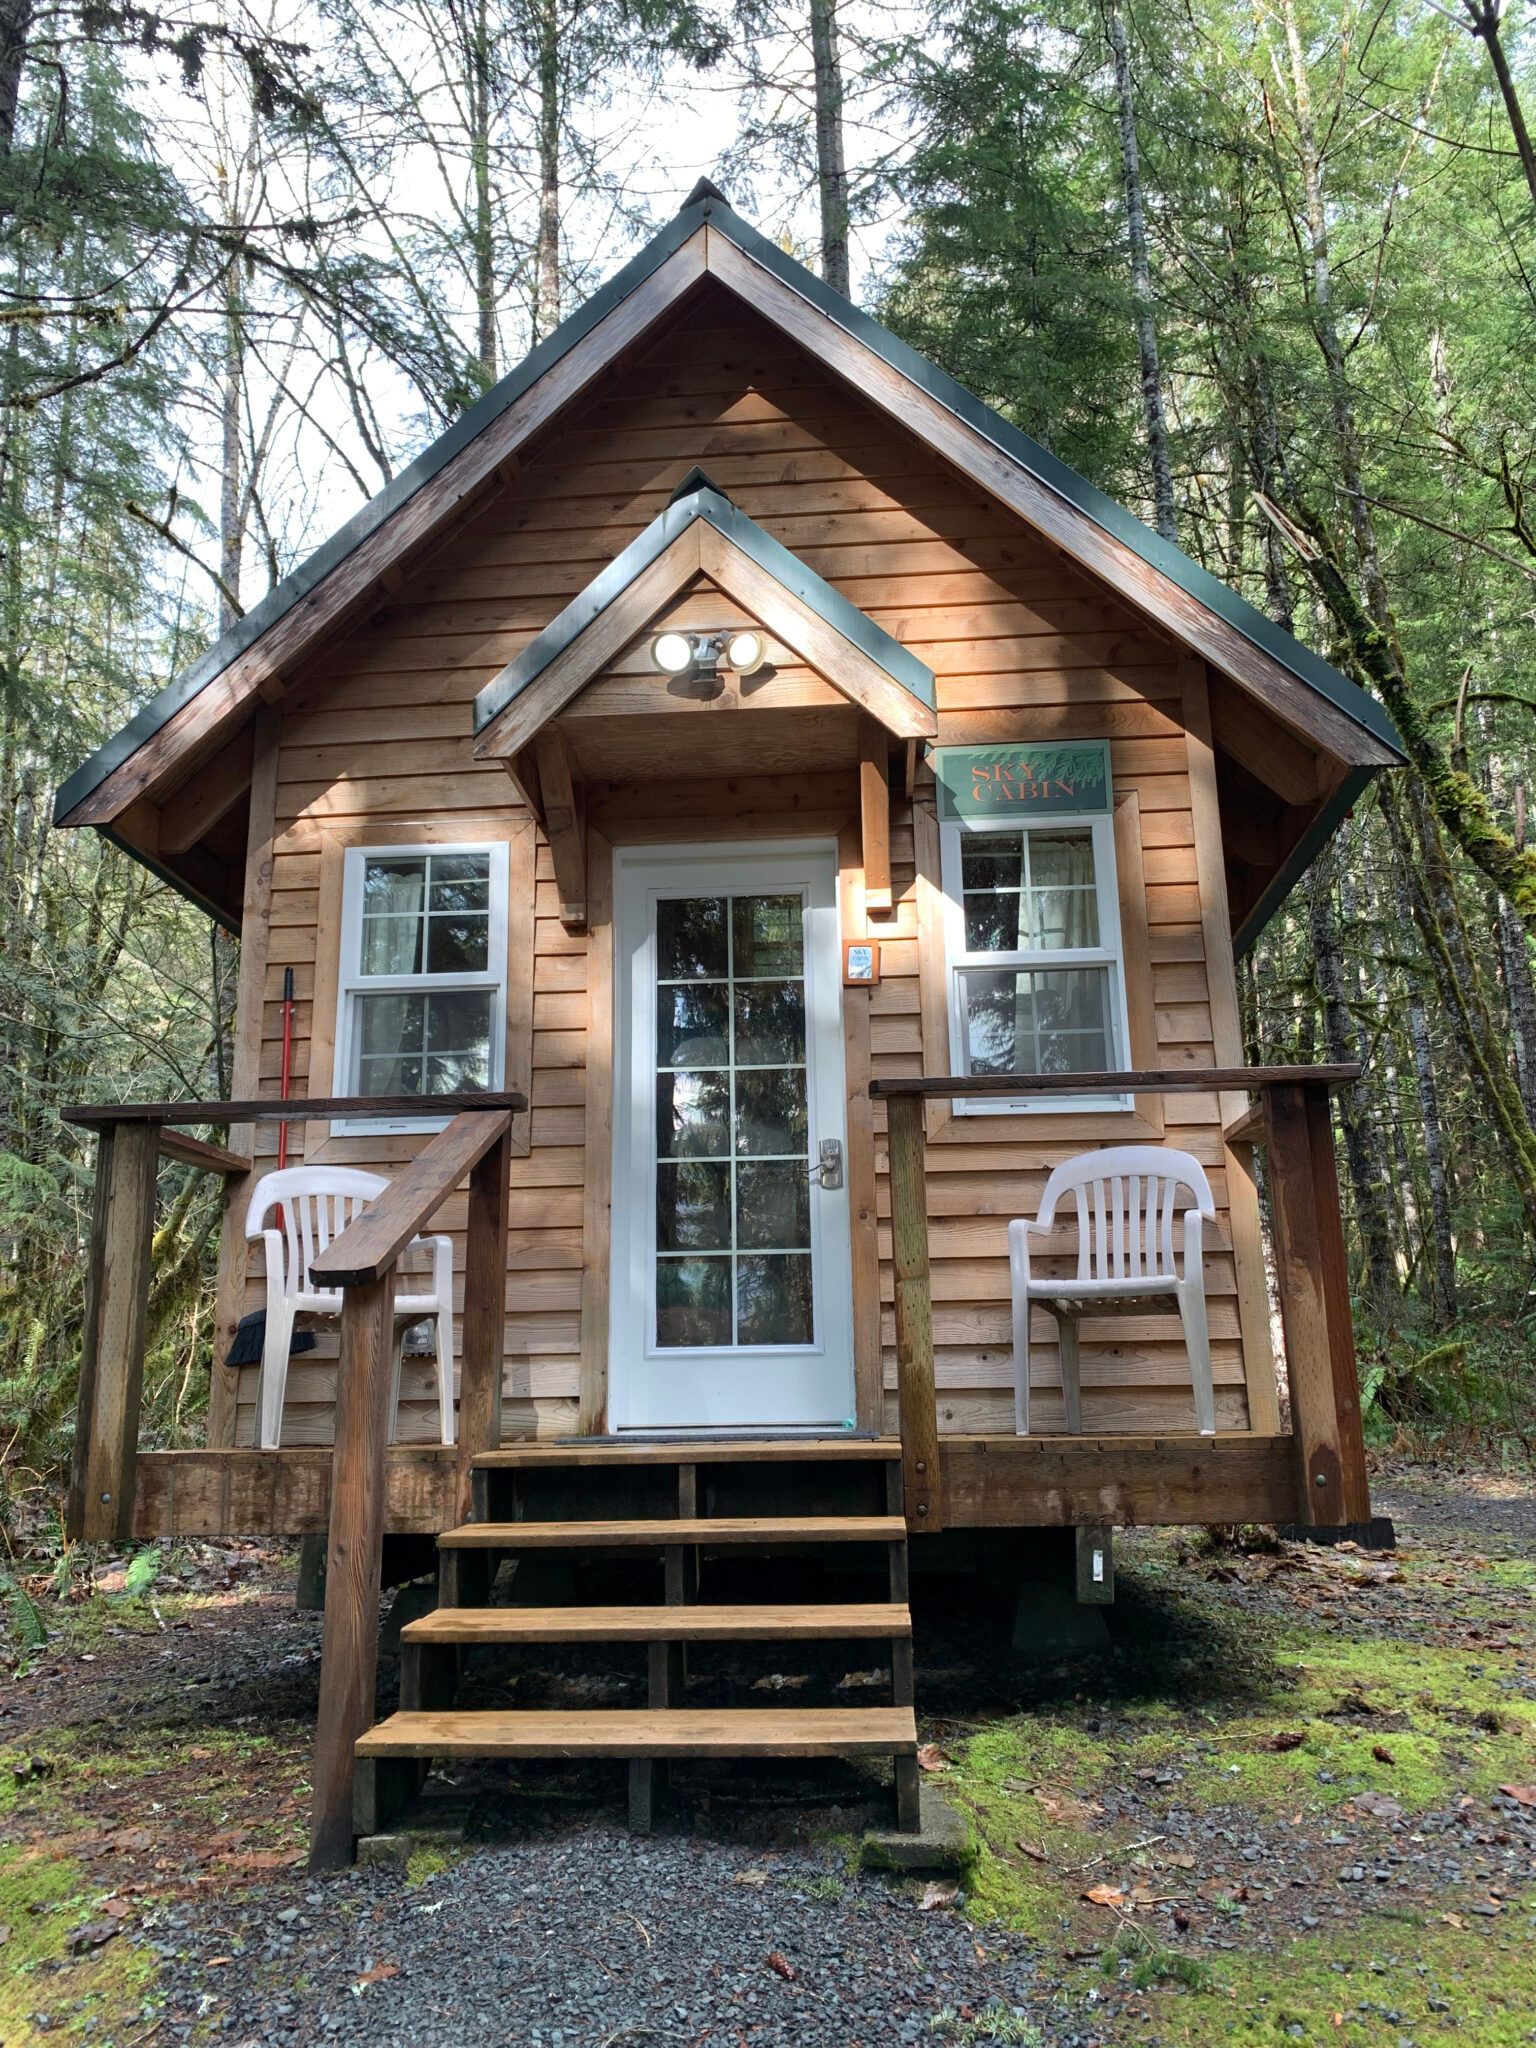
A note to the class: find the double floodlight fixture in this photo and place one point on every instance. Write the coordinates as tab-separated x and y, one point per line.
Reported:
704	654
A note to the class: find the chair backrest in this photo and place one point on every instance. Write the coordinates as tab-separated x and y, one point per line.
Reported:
318	1202
1127	1198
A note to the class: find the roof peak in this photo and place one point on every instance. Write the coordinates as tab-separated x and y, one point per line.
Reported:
706	188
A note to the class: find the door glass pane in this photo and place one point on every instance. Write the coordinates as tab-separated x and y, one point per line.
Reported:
773	1300
690	938
733	1192
693	1301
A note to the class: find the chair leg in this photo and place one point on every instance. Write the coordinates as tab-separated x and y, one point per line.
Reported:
1021	1361
274	1373
1071	1372
447	1429
1197	1341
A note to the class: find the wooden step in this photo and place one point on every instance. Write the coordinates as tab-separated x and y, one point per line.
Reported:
696	1624
707	1451
655	1533
648	1732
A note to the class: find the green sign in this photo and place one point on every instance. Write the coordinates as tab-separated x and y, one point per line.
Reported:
1023	782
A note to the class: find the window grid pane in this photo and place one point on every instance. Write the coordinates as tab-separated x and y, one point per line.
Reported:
732	1243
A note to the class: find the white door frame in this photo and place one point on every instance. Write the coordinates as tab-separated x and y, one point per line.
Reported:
790	1387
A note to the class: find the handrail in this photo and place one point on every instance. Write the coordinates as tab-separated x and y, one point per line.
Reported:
371	1243
268	1108
1141	1081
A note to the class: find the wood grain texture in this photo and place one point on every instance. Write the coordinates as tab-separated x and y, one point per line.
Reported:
770	1621
727	1531
1126	1481
349	1650
922	1477
597	1184
104	1467
484	1332
647	1731
370	1245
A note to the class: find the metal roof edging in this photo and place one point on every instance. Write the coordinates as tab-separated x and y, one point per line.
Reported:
733	524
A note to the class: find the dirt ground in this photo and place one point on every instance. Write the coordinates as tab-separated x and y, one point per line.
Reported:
1290	1796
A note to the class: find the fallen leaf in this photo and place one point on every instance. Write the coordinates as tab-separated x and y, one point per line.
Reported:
1453	1920
750	1877
1104	1895
1181	1919
1035	1855
1382	1754
117	1909
217	1962
1066	1811
1287	1738
5	1935
931	1758
1143	1895
379	1974
781	1963
94	1934
1523	1795
263	1859
941	1891
1179	1861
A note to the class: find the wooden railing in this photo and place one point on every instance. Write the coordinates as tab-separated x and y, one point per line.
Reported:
362	1261
1292	1118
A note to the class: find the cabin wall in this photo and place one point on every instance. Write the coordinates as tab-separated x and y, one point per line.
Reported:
373	744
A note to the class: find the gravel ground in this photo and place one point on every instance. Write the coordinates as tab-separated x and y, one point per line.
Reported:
592	1938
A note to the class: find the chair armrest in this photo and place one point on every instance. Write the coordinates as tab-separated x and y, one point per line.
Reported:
1194	1242
276	1248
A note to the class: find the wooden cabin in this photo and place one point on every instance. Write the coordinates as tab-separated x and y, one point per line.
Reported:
778	812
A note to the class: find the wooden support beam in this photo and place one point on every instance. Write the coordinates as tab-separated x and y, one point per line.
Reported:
186	1150
349	1653
564	826
210	794
101	1486
371	1243
485	1315
1312	1273
875	817
296	1110
922	1485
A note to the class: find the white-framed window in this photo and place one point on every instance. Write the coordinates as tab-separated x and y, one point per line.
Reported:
1033	950
421	1000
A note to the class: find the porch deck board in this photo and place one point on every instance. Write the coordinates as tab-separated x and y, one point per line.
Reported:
831	1621
648	1731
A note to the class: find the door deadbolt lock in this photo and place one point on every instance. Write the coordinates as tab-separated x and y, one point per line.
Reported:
827	1167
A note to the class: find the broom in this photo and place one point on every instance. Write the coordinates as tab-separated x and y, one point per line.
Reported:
251	1331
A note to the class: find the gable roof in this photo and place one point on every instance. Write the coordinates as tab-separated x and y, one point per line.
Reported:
908	707
166	740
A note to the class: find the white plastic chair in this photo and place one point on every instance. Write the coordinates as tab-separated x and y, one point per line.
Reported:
317	1203
1127	1197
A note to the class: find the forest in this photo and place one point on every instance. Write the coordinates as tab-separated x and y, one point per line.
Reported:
1266	272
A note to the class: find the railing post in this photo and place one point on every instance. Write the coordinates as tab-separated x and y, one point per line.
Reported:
100	1504
485	1311
1313	1276
922	1481
349	1655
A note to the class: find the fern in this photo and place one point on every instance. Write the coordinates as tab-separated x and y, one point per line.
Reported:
27	1623
142	1573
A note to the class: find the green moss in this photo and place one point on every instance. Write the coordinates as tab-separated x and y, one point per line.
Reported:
98	1998
1371	1988
428	1860
1513	1571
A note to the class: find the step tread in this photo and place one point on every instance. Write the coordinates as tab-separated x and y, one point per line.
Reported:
766	1622
648	1731
645	1533
736	1451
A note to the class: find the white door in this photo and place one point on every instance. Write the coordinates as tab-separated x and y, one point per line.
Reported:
732	1274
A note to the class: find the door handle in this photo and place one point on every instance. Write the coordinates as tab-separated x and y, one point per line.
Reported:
827	1168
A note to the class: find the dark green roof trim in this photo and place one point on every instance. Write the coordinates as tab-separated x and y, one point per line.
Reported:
786	569
1302	855
281	599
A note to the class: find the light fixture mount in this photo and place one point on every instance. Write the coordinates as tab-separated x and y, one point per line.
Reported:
702	654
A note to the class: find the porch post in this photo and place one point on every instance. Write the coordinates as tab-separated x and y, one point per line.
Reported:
101	1485
922	1481
349	1654
1313	1276
485	1311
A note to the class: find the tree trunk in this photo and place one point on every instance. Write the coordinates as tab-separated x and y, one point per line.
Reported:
831	166
1153	411
485	223
1510	937
1443	1246
231	409
1485	26
1362	1140
546	312
15	27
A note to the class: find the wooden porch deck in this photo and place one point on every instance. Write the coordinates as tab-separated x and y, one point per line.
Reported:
989	1481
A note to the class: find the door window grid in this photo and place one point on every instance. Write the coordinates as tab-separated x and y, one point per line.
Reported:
728	1161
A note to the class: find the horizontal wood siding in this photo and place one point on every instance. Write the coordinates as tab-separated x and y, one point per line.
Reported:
376	736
